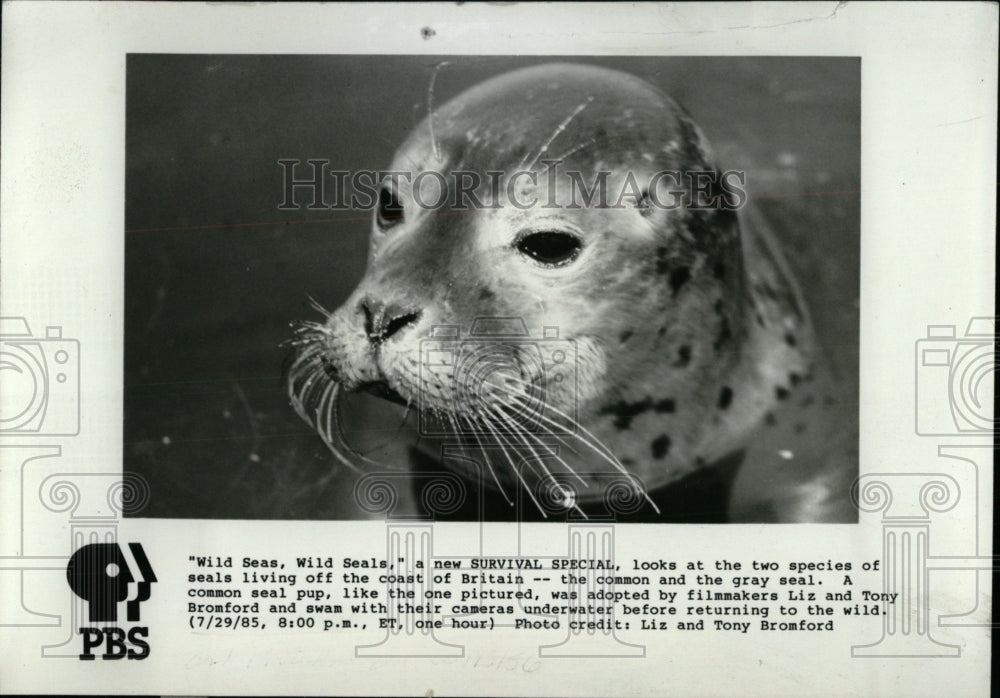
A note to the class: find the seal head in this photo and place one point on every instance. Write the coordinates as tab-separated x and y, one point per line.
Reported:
682	327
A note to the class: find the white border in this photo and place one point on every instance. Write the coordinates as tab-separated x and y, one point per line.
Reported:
929	94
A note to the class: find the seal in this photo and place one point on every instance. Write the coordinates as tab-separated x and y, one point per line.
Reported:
679	337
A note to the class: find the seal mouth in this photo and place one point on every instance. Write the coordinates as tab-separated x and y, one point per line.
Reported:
381	389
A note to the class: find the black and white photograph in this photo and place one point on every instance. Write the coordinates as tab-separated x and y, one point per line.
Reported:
516	349
580	287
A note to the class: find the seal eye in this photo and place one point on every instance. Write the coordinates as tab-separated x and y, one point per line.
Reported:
550	247
390	210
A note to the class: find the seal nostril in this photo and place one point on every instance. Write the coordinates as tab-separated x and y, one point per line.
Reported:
385	321
397	323
368	318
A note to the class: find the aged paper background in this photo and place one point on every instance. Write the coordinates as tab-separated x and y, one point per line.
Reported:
928	95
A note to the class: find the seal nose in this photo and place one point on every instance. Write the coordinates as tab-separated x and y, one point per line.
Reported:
383	320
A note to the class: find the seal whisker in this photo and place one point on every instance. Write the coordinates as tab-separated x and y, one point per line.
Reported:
486	423
491	413
559	458
406	412
299	409
486	456
335	411
315	329
572	151
318	306
573	422
545	422
484	418
430	109
300	341
559	129
512	427
313	372
606	454
523	434
300	397
323	423
324	427
550	431
308	378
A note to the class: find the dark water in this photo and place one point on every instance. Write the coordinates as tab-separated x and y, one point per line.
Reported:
215	272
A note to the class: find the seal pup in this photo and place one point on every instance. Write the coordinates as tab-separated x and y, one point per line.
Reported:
691	343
